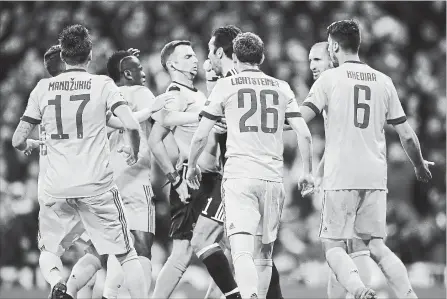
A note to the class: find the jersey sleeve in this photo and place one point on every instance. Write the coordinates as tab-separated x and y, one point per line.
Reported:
144	98
292	108
112	95
32	112
317	98
214	110
395	114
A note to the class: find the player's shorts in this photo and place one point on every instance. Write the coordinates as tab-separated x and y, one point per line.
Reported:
140	207
205	201
253	206
350	214
59	227
103	218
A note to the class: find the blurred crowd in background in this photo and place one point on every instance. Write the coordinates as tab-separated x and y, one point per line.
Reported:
405	40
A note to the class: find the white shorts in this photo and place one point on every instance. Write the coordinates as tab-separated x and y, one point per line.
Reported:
348	214
253	206
140	207
58	231
103	218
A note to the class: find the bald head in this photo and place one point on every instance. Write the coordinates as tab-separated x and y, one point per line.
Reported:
319	59
125	69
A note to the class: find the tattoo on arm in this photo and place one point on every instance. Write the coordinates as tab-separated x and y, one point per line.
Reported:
21	134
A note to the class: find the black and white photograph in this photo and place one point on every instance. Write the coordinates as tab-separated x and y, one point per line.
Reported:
223	149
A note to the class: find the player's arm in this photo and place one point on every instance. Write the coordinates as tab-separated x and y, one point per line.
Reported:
115	124
30	119
315	101
304	139
410	142
172	113
118	106
20	138
199	140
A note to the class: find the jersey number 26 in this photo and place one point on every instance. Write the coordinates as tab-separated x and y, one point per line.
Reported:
265	111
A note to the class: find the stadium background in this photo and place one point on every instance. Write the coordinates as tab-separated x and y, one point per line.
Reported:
405	40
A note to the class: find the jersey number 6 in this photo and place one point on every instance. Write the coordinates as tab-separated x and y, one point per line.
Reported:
367	109
243	128
85	98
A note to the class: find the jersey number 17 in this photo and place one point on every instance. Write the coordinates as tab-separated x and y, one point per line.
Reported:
85	98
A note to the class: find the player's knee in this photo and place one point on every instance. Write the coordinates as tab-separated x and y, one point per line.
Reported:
205	234
331	243
241	254
143	243
262	251
358	247
181	254
128	256
378	249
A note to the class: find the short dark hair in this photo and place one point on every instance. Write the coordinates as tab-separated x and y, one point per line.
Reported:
346	33
223	38
113	64
76	44
169	48
249	48
52	60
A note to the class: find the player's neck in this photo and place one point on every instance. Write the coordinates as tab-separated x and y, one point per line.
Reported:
77	66
227	65
182	79
246	66
348	57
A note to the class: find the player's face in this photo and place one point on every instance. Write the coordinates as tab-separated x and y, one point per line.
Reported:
319	60
333	49
133	66
216	64
185	59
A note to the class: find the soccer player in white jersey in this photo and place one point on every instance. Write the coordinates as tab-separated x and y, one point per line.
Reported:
255	106
221	65
358	101
78	181
319	61
196	224
133	181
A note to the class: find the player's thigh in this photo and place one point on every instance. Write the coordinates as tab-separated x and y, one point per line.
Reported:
59	226
357	245
242	211
183	216
371	215
105	221
139	206
338	214
143	242
271	200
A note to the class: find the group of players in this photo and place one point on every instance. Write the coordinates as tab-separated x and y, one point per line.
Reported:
218	157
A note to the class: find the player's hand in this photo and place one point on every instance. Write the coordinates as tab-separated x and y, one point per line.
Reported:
220	127
182	189
210	74
193	177
160	101
134	52
306	184
32	144
127	153
423	174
